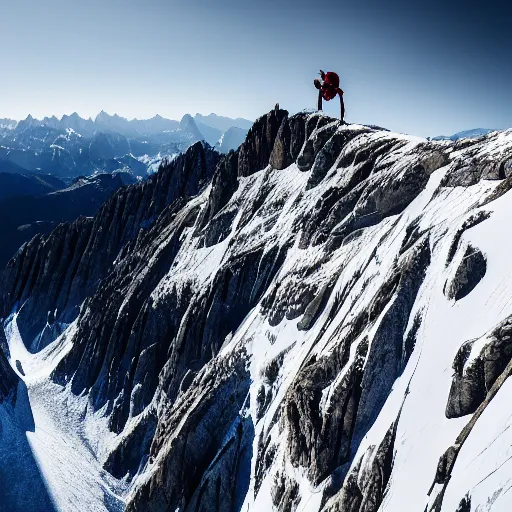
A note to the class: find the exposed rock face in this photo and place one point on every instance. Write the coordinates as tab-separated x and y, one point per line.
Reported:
472	221
197	467
281	156
470	272
476	167
365	485
57	272
474	379
388	351
464	505
224	185
262	329
8	379
322	442
285	494
254	153
468	387
496	361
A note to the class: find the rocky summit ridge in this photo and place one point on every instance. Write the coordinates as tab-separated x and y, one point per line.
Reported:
317	321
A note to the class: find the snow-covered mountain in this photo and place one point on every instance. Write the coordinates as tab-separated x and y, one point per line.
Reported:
223	123
68	147
231	139
316	321
7	124
466	134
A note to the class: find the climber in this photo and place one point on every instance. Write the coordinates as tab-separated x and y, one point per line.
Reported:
328	88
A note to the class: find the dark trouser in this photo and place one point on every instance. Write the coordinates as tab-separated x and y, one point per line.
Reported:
342	105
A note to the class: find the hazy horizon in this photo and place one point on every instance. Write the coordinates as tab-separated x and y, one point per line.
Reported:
426	70
193	115
93	117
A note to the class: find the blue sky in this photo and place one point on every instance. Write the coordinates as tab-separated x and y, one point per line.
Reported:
426	70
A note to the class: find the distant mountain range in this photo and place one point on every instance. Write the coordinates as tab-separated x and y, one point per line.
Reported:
474	133
74	146
31	204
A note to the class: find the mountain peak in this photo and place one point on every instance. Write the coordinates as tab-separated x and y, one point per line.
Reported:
221	122
187	124
28	122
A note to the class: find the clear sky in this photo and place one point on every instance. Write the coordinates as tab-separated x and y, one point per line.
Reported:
427	68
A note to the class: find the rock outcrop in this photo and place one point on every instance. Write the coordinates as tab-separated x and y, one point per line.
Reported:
475	374
469	273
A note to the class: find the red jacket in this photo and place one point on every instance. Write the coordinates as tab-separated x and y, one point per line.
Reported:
331	86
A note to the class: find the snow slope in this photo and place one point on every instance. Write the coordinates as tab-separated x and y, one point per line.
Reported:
54	421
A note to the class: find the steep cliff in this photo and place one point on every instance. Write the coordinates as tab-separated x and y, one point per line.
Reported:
275	328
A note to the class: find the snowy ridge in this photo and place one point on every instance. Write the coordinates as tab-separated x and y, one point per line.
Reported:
293	334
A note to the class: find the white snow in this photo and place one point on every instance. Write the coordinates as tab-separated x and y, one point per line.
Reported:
58	441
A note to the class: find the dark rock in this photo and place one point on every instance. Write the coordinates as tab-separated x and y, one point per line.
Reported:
131	454
364	487
506	168
315	307
203	445
469	273
364	201
190	328
385	359
410	340
285	493
254	153
322	443
264	459
470	222
226	482
471	383
470	165
466	172
281	157
224	184
503	187
445	465
19	367
465	504
297	125
314	144
326	158
270	375
467	391
8	381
